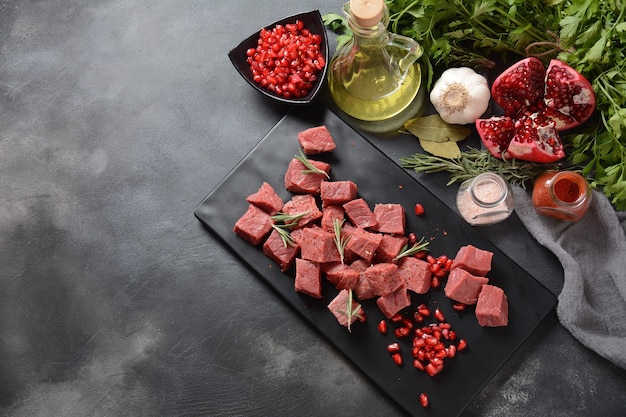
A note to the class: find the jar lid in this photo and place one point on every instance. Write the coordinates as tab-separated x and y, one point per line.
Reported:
367	13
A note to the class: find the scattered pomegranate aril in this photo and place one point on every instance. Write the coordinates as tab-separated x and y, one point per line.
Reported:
418	209
423	397
439	315
459	306
382	327
397	359
393	347
462	345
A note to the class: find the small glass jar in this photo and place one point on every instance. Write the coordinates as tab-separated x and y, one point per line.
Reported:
485	199
563	195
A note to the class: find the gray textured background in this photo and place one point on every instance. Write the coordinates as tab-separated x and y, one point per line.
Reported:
116	119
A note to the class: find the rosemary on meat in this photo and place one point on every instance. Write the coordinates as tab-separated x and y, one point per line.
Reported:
311	169
283	223
417	247
475	161
340	241
349	312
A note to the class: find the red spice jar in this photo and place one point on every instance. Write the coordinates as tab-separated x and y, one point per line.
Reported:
563	195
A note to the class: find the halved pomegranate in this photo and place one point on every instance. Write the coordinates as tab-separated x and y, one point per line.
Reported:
537	104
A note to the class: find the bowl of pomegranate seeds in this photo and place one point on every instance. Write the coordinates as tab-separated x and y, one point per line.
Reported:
285	60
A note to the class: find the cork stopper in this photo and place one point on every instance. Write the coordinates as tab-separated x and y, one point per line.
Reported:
367	13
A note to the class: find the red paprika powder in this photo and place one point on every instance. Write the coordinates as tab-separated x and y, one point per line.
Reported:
563	195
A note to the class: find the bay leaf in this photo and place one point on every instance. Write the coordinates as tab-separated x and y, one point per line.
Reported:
448	150
432	128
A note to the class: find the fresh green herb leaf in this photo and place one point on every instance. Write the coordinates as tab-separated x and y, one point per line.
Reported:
311	169
340	240
417	247
351	311
283	223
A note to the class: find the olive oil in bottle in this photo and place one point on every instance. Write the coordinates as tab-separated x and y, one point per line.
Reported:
376	78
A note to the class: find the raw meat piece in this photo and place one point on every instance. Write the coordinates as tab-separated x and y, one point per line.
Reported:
337	192
474	260
492	308
308	278
463	286
329	213
299	182
390	218
342	276
415	273
360	265
318	246
359	213
316	140
275	249
365	289
253	225
339	305
364	243
393	302
266	199
390	246
301	203
382	278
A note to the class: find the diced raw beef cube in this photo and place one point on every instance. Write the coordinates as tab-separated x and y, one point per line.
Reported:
318	246
390	218
393	302
359	213
382	278
390	246
254	225
364	243
337	192
463	286
342	276
302	203
298	181
365	289
275	249
266	199
316	140
330	213
360	265
474	260
415	273
492	308
308	278
338	306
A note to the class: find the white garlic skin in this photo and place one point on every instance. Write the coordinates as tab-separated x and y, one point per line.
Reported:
460	95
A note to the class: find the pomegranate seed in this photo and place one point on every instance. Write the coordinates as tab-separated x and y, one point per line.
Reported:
402	332
417	364
462	345
439	315
418	209
393	347
423	399
434	282
382	327
397	359
396	318
423	310
448	264
458	306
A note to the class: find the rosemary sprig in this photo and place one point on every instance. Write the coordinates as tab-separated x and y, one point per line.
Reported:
283	223
476	161
350	312
340	241
406	251
311	169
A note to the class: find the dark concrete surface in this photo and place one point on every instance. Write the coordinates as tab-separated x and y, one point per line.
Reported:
116	119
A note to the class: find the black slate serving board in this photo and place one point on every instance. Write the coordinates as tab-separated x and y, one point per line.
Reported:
381	180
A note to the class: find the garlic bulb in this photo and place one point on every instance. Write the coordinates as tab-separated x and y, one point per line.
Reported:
460	95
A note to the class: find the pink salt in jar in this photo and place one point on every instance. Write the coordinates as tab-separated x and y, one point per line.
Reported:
485	199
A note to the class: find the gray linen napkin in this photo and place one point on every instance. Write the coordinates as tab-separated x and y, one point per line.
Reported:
592	251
